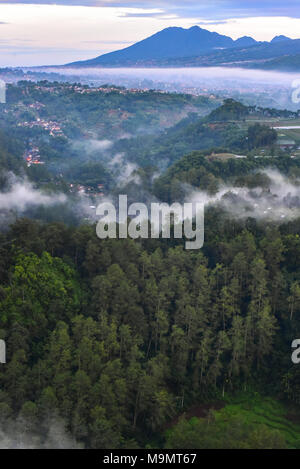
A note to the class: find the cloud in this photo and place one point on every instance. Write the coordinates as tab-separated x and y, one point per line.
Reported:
214	22
214	10
107	42
22	195
49	434
92	145
124	172
143	15
281	202
72	29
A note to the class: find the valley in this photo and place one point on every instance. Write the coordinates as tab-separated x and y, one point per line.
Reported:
117	342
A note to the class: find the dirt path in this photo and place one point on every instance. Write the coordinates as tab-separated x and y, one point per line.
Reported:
199	411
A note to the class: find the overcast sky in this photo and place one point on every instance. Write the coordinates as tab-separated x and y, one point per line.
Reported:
40	32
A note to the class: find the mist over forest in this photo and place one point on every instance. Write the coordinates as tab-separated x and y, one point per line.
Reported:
267	88
141	343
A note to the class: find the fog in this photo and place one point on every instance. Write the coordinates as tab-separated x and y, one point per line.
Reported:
93	148
280	202
123	171
49	434
92	145
21	198
21	194
250	84
188	74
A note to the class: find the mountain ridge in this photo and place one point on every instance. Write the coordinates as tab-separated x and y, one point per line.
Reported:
176	47
172	42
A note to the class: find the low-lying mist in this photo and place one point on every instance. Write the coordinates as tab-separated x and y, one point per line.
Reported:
91	146
279	202
247	83
49	434
21	194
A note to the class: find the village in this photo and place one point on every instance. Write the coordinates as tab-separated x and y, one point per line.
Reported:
32	156
89	89
87	191
52	127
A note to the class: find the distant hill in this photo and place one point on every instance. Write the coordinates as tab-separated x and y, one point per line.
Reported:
288	63
197	47
265	55
170	43
245	41
280	39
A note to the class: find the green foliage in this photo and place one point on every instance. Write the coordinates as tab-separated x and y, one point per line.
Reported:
117	336
223	431
261	136
231	110
201	171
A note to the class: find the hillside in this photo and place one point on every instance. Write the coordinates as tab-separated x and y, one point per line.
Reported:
287	63
225	127
141	343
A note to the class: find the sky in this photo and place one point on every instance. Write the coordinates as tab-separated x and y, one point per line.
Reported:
41	32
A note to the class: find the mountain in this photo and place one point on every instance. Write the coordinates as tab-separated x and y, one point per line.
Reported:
288	63
197	47
167	44
245	41
261	55
280	39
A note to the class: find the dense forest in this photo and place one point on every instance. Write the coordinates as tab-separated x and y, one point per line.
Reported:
127	334
142	344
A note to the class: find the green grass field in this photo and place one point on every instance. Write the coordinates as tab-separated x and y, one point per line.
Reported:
251	409
255	409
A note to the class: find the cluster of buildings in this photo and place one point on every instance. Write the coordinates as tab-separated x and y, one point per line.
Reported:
36	106
286	144
110	89
32	156
86	89
87	190
52	127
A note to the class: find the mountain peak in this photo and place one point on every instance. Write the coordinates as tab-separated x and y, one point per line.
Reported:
245	41
182	45
280	39
168	43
